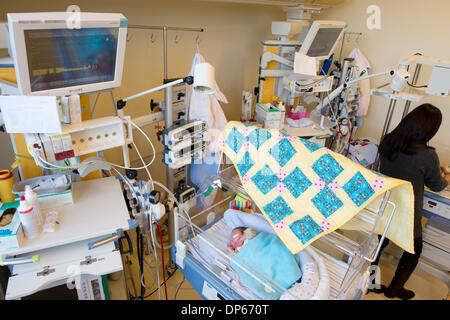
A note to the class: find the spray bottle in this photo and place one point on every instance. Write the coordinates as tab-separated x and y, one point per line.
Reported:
282	108
30	225
32	199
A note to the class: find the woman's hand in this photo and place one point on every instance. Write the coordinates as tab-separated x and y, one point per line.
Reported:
446	174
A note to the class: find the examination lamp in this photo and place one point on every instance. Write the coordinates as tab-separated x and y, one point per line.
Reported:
203	82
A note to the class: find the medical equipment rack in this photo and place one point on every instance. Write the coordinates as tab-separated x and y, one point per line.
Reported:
436	236
347	253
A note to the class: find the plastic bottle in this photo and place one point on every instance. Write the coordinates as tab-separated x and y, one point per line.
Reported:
32	199
30	225
282	108
65	110
74	108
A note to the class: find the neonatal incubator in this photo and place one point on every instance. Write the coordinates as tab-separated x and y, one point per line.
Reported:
337	263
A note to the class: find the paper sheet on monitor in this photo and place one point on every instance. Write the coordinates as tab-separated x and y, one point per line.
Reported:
304	67
30	114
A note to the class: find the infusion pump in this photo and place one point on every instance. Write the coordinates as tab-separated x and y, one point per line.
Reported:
184	143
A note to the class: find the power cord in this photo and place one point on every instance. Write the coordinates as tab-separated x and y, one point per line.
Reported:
163	283
162	258
415	86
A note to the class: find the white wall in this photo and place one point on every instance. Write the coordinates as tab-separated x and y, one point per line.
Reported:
231	43
407	27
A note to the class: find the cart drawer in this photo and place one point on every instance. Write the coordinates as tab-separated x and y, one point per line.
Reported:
62	264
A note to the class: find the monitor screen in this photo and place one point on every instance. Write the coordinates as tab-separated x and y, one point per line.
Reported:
70	57
323	42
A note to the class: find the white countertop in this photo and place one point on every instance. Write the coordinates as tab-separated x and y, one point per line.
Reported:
309	131
99	209
444	193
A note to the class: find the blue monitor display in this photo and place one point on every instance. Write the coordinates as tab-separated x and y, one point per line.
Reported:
59	58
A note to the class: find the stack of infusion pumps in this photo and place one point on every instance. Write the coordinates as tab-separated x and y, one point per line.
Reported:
184	143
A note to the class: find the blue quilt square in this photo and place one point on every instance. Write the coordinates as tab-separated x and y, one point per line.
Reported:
296	182
283	151
327	168
258	136
358	189
235	140
305	229
265	180
326	202
277	210
245	164
311	145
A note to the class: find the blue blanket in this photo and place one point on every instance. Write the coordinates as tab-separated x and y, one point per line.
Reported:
267	254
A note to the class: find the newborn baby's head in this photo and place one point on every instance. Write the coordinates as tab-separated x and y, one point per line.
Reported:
239	237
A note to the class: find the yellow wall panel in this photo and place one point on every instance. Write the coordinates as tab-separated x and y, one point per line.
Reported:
8	74
29	167
269	84
86	115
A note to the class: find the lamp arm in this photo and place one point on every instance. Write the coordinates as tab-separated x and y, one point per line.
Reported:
339	89
391	72
121	103
330	97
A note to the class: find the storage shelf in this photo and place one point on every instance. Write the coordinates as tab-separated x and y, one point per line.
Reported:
96	135
90	124
410	94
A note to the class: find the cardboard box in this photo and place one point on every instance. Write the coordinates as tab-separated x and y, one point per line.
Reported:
49	198
272	124
11	235
267	112
55	200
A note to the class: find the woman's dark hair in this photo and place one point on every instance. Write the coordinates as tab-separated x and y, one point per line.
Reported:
413	132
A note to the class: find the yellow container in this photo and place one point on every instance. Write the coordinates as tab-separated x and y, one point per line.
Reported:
6	185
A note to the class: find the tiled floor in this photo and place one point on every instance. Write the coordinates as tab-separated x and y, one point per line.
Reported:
186	292
426	286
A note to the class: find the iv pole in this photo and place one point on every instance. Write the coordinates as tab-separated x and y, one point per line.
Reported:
168	114
167	90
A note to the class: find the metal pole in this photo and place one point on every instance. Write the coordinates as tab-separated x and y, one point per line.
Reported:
169	171
164	86
342	45
165	52
168	116
414	82
164	27
387	122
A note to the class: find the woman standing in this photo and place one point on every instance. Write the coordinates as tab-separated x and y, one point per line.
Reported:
405	154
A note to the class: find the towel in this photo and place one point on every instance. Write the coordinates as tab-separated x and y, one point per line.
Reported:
207	108
266	254
306	191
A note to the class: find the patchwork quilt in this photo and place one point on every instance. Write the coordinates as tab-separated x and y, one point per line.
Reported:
306	191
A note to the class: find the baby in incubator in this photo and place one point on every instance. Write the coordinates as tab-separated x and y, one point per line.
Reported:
268	252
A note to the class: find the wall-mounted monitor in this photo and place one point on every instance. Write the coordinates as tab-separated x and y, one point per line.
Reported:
322	38
55	55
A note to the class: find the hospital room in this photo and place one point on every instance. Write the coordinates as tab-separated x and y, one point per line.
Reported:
225	150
